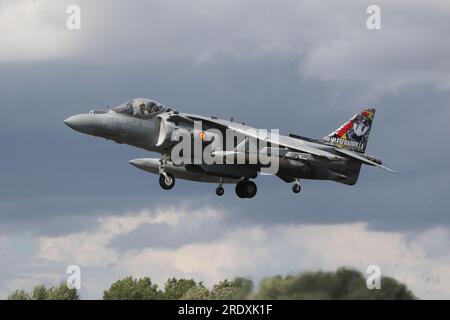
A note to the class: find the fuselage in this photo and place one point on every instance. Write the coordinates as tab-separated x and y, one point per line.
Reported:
147	133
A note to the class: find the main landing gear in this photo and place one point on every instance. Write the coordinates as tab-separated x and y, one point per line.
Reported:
296	187
246	189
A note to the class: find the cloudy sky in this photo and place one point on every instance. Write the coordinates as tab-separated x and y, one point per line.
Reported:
301	66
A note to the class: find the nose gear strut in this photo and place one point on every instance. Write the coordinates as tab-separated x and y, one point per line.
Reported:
166	180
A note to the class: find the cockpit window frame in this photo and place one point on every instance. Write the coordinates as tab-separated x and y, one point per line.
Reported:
134	108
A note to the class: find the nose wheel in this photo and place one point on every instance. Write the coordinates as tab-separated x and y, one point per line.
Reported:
166	180
246	189
296	187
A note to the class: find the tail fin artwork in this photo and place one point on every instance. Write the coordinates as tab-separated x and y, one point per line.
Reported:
353	134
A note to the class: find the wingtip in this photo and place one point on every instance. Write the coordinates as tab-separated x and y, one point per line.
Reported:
389	169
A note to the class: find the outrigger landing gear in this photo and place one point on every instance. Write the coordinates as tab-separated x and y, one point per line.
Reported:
166	180
296	187
246	189
219	190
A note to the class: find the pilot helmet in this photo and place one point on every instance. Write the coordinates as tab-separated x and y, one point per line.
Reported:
142	107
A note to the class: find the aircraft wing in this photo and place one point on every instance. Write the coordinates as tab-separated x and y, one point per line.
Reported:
283	141
362	158
297	145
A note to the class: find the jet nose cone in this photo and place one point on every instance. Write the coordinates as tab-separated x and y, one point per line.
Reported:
71	121
85	123
138	163
147	164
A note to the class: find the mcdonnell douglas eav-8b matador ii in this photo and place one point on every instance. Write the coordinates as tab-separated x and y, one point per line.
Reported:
149	125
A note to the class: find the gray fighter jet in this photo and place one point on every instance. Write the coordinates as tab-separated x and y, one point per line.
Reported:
236	153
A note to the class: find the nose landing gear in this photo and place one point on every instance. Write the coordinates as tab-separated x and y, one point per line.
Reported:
166	180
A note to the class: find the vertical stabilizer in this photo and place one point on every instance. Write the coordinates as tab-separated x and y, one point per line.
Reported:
354	134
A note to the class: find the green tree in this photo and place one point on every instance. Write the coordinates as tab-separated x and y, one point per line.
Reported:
391	289
60	292
242	288
198	292
19	295
133	289
343	284
40	292
175	289
239	288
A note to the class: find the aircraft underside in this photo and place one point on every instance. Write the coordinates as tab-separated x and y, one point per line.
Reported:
289	171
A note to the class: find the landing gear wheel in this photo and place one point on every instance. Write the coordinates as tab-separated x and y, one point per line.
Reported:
246	189
240	190
166	182
296	188
220	191
250	189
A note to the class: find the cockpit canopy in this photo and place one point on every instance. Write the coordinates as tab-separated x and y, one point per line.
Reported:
140	108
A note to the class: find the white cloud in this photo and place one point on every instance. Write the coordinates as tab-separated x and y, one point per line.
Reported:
420	260
91	248
34	30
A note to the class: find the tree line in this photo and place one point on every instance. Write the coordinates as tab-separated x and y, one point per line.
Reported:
343	284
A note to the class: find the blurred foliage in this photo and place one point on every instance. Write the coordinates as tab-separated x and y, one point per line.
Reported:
19	295
344	284
40	292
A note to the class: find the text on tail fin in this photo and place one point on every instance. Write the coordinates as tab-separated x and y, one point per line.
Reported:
353	134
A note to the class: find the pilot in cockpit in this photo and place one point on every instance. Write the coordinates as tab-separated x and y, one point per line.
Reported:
143	109
140	108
